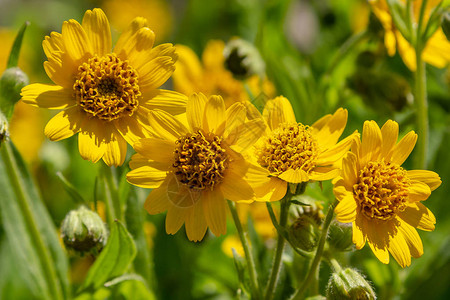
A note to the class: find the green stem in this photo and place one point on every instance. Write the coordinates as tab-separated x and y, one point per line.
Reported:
319	252
276	267
334	264
41	249
421	97
248	253
112	201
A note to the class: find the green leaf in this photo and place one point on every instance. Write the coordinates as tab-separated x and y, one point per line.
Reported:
71	190
15	51
30	230
114	259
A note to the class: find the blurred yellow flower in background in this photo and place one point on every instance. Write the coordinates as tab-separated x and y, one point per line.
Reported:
210	76
106	95
295	153
380	198
193	166
437	49
156	12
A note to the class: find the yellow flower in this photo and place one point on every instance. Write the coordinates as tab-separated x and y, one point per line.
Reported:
194	165
212	78
106	95
295	153
380	198
437	49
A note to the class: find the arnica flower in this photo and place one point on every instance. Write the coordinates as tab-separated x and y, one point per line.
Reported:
210	76
380	198
437	49
106	95
295	153
194	165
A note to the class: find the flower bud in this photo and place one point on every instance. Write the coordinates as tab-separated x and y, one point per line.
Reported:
11	82
304	233
4	129
243	59
83	230
340	236
349	284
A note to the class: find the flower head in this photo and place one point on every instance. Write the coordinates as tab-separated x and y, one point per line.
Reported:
194	165
106	95
211	77
295	153
437	49
380	198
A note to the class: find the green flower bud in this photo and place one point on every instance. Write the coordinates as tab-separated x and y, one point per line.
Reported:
11	82
349	284
340	236
243	59
446	24
4	129
304	233
83	230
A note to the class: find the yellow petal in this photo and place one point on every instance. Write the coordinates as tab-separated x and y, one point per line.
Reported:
115	149
371	142
214	116
175	218
346	209
266	188
196	223
406	51
358	236
400	250
91	141
235	116
246	135
389	134
156	149
188	73
76	41
65	124
341	190
349	169
430	178
165	125
402	150
418	191
98	32
330	132
377	238
294	176
336	152
215	209
172	102
180	195
235	188
412	238
135	25
130	129
53	44
212	56
147	177
47	96
157	201
436	51
166	49
324	173
61	70
195	110
418	216
278	111
138	48
155	73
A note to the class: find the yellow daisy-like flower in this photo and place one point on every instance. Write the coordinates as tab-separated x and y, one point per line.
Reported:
106	95
437	49
295	153
380	198
193	166
210	76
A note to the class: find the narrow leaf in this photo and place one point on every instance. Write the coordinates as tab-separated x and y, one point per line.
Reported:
70	189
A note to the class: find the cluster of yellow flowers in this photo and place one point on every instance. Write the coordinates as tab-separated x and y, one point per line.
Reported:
196	150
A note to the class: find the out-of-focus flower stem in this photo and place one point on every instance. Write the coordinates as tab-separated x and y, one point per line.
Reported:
420	97
41	249
318	256
112	201
256	292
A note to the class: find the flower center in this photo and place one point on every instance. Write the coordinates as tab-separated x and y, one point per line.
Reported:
200	160
107	87
382	190
291	146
